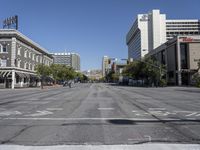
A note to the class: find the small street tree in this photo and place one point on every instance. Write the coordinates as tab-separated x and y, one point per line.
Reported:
43	70
147	70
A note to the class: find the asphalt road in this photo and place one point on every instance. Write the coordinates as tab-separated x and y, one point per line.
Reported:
99	114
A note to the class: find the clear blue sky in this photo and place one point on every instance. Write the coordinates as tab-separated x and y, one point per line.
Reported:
92	28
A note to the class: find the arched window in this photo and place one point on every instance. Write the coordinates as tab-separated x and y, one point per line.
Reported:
18	63
25	54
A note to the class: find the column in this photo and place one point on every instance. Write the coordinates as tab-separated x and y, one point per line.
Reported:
13	79
13	52
179	63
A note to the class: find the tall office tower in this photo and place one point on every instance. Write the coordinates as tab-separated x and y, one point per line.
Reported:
153	29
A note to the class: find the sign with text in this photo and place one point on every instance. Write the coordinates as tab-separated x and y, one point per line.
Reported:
11	22
189	39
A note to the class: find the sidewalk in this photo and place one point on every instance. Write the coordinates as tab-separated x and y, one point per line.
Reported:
52	87
33	88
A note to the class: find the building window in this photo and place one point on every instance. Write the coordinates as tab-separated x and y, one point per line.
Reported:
25	54
29	67
25	65
3	48
40	59
18	63
33	67
37	58
184	61
19	51
29	54
33	57
3	62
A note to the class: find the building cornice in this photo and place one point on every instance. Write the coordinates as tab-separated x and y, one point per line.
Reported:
19	36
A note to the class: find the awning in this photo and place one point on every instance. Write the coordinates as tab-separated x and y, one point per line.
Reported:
34	76
21	75
5	73
27	75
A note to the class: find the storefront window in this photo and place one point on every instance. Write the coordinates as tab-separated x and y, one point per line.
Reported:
184	61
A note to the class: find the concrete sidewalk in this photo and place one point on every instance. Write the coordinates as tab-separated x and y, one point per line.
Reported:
149	146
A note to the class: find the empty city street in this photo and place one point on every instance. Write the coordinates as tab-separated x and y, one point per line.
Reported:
99	114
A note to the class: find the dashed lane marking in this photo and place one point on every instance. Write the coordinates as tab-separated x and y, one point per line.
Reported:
191	114
8	113
157	108
40	113
105	108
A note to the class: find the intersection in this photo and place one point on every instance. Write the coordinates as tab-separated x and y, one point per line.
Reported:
99	114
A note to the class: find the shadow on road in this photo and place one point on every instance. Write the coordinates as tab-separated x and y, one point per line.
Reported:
121	122
189	90
133	122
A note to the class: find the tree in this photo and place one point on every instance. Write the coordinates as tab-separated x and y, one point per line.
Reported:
148	70
62	72
43	70
196	76
55	70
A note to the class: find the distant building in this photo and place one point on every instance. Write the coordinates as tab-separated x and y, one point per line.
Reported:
18	57
93	74
180	55
118	67
151	30
105	65
68	59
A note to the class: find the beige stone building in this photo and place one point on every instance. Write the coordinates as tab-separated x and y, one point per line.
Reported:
180	55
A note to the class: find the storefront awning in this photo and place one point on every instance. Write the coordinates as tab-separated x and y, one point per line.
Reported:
21	75
34	76
4	74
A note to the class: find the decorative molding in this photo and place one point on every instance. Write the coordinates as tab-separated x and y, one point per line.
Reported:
13	52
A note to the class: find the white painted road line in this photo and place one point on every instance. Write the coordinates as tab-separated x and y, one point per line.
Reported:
40	113
8	113
191	114
198	115
105	108
134	111
157	108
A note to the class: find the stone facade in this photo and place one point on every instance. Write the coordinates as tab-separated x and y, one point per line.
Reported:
19	55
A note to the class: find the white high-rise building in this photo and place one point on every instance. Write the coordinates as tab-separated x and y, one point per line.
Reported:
105	65
151	30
